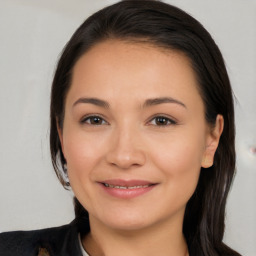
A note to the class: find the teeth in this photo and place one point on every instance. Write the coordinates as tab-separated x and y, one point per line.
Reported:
123	187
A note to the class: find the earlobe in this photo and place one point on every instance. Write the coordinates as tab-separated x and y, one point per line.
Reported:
212	142
207	161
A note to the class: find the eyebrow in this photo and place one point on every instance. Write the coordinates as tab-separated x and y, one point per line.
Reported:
94	101
147	103
162	100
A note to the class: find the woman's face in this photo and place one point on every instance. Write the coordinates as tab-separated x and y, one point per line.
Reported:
134	134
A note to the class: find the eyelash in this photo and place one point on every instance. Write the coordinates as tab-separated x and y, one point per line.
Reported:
167	121
91	117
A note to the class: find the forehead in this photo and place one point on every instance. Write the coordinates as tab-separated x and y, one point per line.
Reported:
116	68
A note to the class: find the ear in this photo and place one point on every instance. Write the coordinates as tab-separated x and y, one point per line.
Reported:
212	142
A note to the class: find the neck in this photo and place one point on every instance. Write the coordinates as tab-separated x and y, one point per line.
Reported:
163	239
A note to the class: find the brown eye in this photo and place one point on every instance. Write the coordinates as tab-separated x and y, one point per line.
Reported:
162	121
94	120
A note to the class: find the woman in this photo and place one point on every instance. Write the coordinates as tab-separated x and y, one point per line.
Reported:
142	130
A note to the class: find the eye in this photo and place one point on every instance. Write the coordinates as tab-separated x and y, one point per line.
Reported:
93	120
162	121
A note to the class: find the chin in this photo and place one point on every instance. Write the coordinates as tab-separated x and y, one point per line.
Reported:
125	221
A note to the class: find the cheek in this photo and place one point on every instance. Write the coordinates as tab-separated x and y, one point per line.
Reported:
83	153
179	160
179	149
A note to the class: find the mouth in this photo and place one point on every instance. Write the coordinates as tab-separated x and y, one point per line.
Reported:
126	188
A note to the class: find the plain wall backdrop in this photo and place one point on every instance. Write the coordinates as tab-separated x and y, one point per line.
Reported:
32	34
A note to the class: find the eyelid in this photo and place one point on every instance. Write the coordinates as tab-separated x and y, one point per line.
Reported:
86	117
172	121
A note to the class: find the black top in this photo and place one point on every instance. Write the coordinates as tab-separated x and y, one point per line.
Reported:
57	241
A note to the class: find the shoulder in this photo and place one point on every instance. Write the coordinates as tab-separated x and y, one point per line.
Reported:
55	241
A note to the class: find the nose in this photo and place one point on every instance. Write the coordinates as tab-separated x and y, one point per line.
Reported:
126	150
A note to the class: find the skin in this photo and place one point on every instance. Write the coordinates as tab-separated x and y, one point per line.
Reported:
128	141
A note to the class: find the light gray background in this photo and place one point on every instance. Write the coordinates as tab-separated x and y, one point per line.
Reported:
32	34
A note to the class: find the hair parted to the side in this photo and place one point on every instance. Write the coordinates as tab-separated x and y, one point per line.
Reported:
168	27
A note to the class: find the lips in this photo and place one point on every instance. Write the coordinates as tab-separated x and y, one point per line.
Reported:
126	188
126	183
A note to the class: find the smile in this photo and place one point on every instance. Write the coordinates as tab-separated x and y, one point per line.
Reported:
126	189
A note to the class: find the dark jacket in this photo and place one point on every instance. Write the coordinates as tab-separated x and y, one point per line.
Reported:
57	241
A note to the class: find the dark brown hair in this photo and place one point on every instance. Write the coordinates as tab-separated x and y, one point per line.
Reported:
167	27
